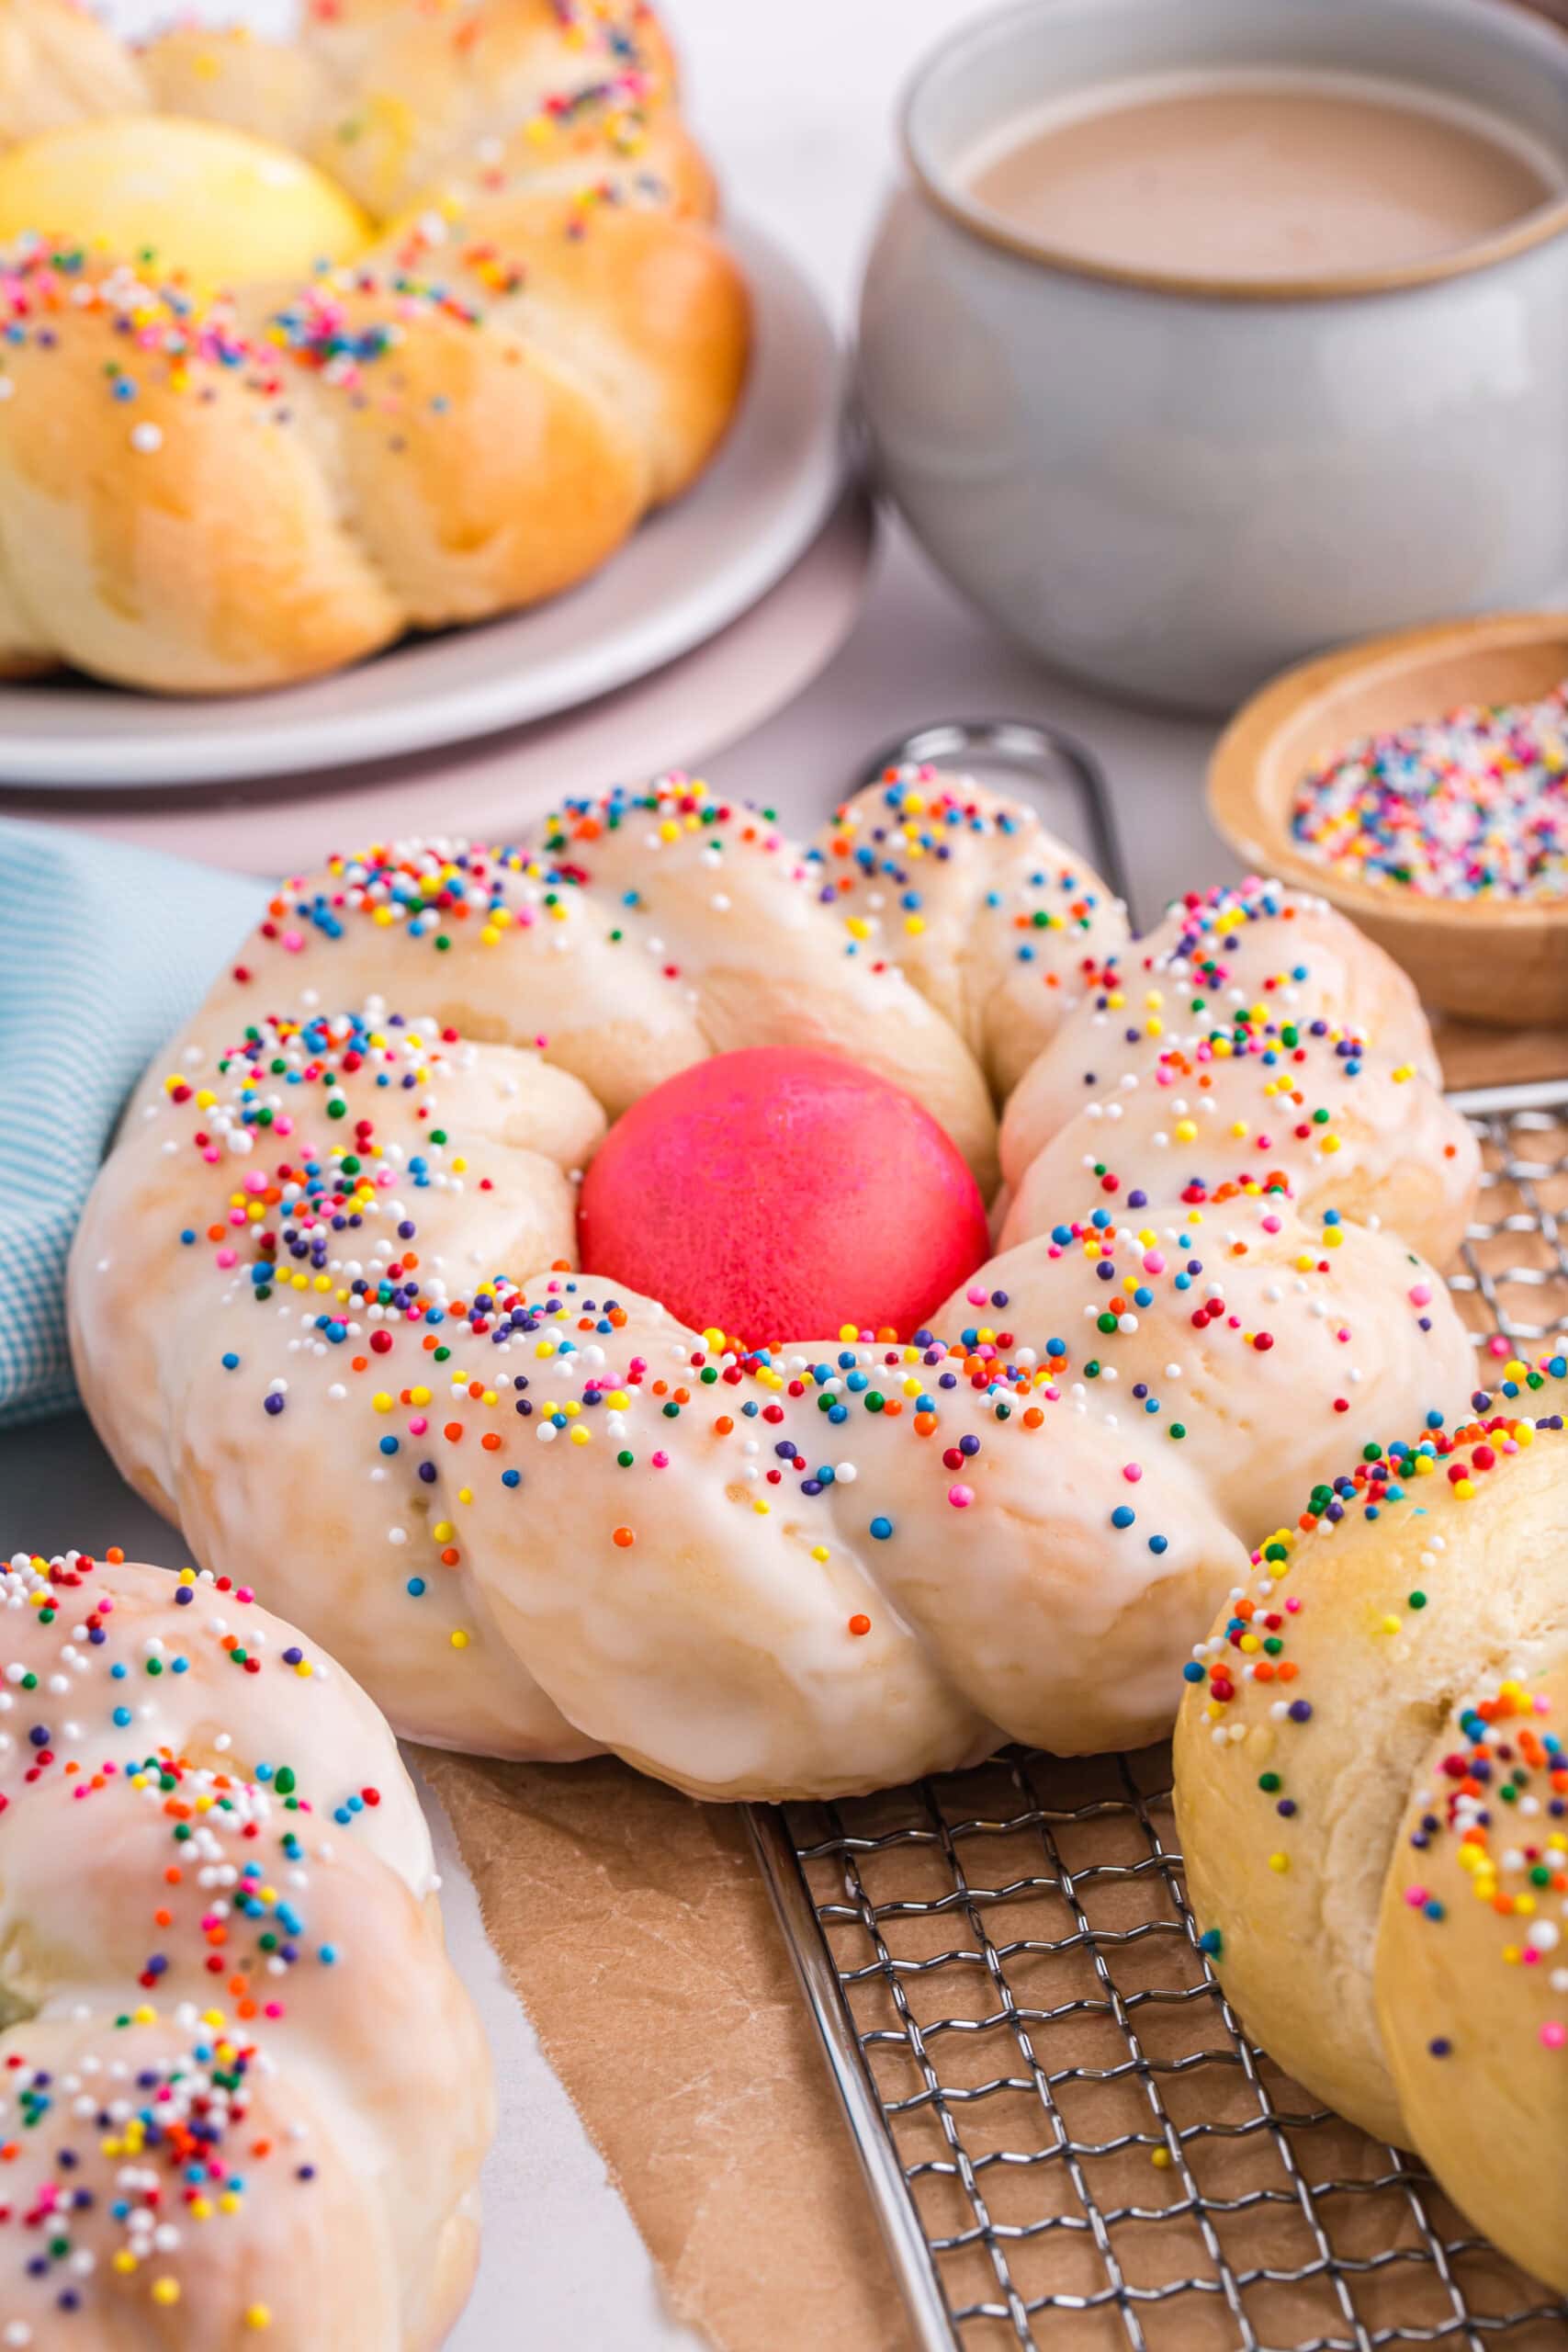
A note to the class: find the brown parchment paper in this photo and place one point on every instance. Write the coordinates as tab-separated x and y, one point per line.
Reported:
635	1927
637	1932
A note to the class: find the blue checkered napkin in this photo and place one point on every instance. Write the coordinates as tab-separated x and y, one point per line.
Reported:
104	952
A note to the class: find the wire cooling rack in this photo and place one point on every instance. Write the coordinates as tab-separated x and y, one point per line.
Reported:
1068	2139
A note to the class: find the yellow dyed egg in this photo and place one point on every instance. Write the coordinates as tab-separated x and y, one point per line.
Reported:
169	195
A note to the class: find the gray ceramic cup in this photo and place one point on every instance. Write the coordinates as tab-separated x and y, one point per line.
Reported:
1169	490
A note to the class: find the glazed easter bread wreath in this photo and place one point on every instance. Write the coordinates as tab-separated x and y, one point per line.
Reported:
244	2097
225	463
326	1307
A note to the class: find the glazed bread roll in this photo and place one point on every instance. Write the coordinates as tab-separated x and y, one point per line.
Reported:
1237	966
325	1308
204	492
244	2098
1229	1105
1372	1797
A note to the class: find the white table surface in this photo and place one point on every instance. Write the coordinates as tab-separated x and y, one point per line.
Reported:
796	105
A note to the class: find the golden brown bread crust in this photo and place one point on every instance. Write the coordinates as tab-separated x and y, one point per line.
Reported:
393	103
211	558
474	417
273	89
490	477
645	308
59	66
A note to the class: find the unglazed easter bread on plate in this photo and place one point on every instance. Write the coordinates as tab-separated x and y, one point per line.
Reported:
212	488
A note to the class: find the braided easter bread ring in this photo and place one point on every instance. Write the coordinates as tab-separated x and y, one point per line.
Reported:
1376	1846
200	494
540	1515
244	2097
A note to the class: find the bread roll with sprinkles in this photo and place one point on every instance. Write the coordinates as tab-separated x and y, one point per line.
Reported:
1345	1126
226	487
243	2096
1248	1333
542	1516
1372	1797
1001	928
1239	965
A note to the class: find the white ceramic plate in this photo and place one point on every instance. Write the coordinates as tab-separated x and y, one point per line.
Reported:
686	574
495	787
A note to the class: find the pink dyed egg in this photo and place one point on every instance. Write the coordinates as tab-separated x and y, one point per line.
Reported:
781	1194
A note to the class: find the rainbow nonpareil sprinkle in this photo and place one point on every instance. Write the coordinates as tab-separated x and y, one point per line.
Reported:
1471	806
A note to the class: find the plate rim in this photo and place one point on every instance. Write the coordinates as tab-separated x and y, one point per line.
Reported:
280	745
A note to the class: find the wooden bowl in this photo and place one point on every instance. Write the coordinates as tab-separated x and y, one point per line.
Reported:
1504	961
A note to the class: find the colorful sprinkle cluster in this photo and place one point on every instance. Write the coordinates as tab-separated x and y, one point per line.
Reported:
460	1381
447	891
283	1216
1506	1759
161	335
609	112
432	1367
1223	980
1471	806
1294	1063
681	804
455	893
1192	1004
1463	1456
155	2129
1207	923
284	1226
345	327
1219	1032
1501	1810
1222	975
604	117
875	862
588	1387
426	891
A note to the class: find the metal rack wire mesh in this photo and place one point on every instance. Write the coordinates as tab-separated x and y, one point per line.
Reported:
1068	2137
